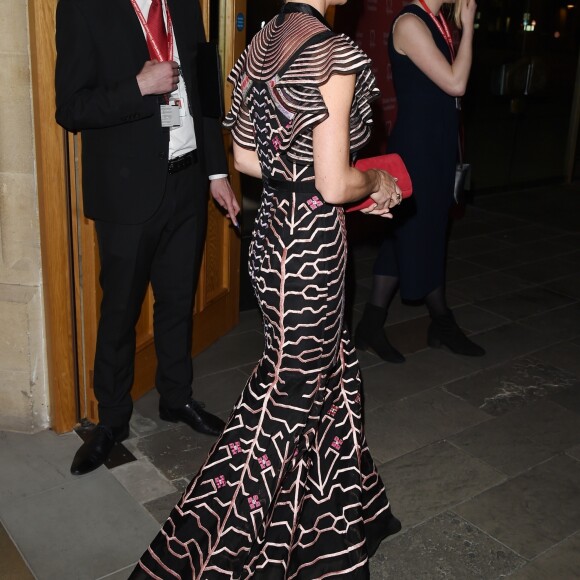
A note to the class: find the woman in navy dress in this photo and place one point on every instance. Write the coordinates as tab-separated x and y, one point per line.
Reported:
429	78
290	490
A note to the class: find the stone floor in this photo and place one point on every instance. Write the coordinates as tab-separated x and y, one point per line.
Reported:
481	457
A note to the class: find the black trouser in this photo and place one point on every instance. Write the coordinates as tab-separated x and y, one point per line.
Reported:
166	251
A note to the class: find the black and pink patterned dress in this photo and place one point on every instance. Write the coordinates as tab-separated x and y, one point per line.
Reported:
290	489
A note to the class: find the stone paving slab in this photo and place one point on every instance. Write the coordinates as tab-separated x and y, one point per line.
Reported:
564	355
560	324
143	480
433	479
177	452
524	303
34	463
506	342
65	532
560	563
161	507
574	452
519	440
417	421
387	382
487	285
532	512
475	320
445	547
567	285
512	385
541	271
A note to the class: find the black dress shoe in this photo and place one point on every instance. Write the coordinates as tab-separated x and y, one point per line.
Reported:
95	450
193	415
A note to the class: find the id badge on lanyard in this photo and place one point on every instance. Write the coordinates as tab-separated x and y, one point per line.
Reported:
170	115
172	111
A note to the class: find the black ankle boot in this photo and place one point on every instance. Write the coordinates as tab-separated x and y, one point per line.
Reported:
444	331
370	334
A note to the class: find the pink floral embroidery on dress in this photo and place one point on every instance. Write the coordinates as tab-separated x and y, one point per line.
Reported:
337	443
314	202
235	448
332	411
254	502
264	461
220	481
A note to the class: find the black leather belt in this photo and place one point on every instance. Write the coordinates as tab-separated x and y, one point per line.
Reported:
291	186
178	163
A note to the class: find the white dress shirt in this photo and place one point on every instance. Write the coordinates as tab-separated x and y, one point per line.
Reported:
181	139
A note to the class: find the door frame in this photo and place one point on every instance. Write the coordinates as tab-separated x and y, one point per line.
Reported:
54	220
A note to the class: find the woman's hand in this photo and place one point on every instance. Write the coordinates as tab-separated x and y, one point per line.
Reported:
387	195
468	12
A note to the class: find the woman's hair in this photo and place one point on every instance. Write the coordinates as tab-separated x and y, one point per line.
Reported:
456	11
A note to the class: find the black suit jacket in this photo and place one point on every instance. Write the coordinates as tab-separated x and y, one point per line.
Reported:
100	50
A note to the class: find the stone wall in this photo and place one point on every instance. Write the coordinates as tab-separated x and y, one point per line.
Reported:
23	387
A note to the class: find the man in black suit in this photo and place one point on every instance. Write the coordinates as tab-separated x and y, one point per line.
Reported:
148	151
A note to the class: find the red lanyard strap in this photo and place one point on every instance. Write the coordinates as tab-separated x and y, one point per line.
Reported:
150	38
442	26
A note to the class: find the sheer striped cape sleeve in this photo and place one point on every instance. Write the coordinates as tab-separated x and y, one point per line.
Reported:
238	119
297	88
300	85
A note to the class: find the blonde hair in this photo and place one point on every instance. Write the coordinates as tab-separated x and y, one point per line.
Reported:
457	12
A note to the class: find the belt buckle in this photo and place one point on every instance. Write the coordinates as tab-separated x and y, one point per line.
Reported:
179	163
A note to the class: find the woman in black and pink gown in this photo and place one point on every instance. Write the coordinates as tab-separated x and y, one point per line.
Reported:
290	489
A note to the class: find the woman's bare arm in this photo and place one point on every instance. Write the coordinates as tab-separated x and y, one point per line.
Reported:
246	161
336	180
411	37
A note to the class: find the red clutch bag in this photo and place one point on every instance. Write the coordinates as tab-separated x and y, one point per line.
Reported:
391	163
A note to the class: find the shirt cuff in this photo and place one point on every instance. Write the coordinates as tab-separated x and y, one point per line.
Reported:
217	176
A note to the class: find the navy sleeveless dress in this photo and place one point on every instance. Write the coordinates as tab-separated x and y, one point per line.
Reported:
425	136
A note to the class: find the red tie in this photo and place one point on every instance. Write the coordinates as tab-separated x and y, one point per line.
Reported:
157	28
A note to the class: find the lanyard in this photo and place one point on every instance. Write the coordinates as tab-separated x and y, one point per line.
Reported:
441	25
150	39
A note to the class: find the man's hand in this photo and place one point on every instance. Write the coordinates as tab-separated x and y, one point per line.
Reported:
222	192
158	78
